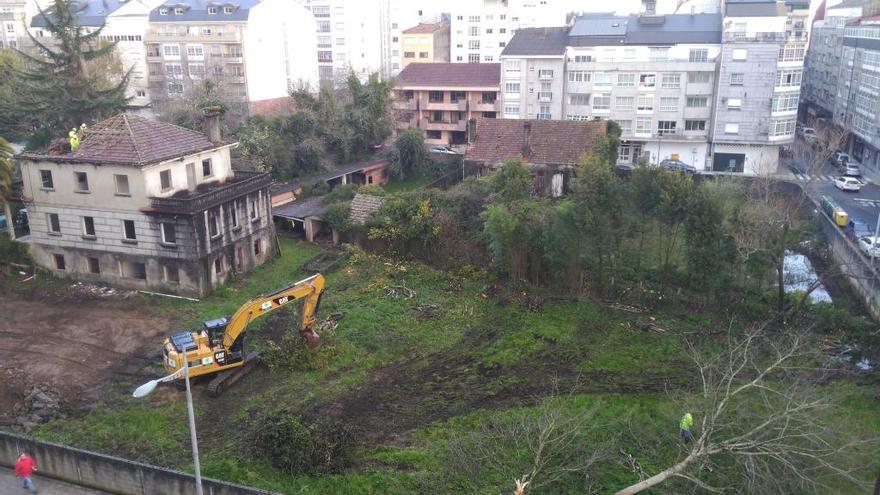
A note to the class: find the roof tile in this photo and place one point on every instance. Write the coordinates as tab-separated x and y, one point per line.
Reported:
427	28
552	142
438	75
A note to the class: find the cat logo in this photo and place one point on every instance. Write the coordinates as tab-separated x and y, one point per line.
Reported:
282	300
220	357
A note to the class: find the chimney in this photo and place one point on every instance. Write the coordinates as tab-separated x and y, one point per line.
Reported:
471	131
650	7
527	139
212	123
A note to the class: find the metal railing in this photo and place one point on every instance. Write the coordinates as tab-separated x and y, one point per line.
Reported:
244	182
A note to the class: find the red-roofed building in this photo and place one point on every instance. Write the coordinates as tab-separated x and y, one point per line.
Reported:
426	43
441	98
142	204
550	148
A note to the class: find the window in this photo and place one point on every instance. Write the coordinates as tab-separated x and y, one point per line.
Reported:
583	58
789	78
670	81
195	51
658	54
258	247
163	11
579	99
578	76
698	55
731	128
196	71
668	103
133	270
511	109
207	170
625	103
175	88
54	223
233	215
577	117
511	68
255	202
474	31
46	179
178	10
734	103
171	274
626	80
89	226
545	74
165	179
697	101
326	56
323	26
647	80
737	78
59	261
128	231
602	102
511	88
218	265
699	77
602	79
433	134
782	127
643	126
629	54
785	103
169	234
624	153
212	10
421	54
739	53
140	93
665	127
695	125
82	181
227	10
435	96
409	54
646	103
94	265
171	51
213	224
625	126
473	18
173	71
473	58
544	113
791	53
474	44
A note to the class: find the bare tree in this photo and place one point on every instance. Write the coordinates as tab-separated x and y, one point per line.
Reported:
759	410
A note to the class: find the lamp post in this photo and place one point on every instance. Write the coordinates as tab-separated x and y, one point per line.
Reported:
148	387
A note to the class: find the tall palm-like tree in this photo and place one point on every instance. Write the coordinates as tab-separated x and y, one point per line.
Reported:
6	182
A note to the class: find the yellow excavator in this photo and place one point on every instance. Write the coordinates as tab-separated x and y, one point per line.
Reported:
219	347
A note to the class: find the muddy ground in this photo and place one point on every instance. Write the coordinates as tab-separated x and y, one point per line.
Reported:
73	347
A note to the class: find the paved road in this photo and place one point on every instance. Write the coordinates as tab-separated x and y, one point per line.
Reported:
863	205
10	486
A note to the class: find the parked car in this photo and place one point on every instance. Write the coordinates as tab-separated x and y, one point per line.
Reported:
807	134
851	169
443	149
848	184
678	166
868	244
839	158
797	167
856	229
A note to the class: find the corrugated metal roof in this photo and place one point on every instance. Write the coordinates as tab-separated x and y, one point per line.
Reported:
299	210
682	28
197	11
754	8
538	41
599	26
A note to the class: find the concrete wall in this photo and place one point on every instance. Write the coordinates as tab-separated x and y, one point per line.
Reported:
111	474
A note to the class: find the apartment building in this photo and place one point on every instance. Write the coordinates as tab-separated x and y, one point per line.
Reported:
15	16
441	98
146	205
653	75
254	51
481	29
394	17
426	43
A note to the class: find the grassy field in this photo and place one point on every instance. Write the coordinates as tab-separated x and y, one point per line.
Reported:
415	377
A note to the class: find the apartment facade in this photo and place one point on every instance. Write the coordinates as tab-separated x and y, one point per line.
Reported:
146	205
426	43
481	29
441	98
394	17
15	16
255	52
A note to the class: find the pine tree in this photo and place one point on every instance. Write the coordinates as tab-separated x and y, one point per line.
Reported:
72	87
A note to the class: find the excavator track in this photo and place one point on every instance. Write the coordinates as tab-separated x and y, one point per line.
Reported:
225	379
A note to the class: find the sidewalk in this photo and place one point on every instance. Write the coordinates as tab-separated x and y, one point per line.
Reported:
9	485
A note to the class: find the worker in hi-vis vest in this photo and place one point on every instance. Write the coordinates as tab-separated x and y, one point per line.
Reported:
74	139
687	421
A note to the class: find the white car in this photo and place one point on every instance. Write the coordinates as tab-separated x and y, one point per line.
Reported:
869	244
808	134
443	149
848	184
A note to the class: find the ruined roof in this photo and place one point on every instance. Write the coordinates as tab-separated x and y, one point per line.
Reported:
551	142
427	28
344	170
302	209
364	205
446	75
130	140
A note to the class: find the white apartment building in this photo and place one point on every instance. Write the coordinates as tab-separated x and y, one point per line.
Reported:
15	16
255	51
395	17
481	29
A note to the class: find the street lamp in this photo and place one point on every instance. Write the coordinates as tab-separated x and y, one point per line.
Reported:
148	387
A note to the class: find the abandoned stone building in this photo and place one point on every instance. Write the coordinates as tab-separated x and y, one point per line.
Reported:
147	205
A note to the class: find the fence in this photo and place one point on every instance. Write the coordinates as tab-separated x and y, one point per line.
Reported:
110	474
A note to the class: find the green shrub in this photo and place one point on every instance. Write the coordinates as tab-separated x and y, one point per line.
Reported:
297	446
12	251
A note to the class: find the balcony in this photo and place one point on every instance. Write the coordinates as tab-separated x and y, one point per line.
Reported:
770	37
455	106
543	76
211	194
486	106
155	36
403	104
545	96
443	125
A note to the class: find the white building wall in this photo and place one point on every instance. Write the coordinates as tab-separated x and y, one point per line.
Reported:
127	27
279	50
221	170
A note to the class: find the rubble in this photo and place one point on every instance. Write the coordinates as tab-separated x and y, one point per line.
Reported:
39	406
85	289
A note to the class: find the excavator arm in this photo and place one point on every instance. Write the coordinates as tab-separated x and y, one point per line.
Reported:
310	288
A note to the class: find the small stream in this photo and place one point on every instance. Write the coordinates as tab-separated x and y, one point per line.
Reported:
800	274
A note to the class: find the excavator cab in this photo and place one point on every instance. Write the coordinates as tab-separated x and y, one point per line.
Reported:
215	329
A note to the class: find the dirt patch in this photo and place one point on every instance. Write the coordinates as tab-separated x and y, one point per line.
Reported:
419	391
75	347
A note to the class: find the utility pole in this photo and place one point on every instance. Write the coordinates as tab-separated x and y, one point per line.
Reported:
192	426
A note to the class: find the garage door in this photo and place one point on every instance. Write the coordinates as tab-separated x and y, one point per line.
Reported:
728	162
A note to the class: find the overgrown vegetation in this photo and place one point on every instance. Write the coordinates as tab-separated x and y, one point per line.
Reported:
296	446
